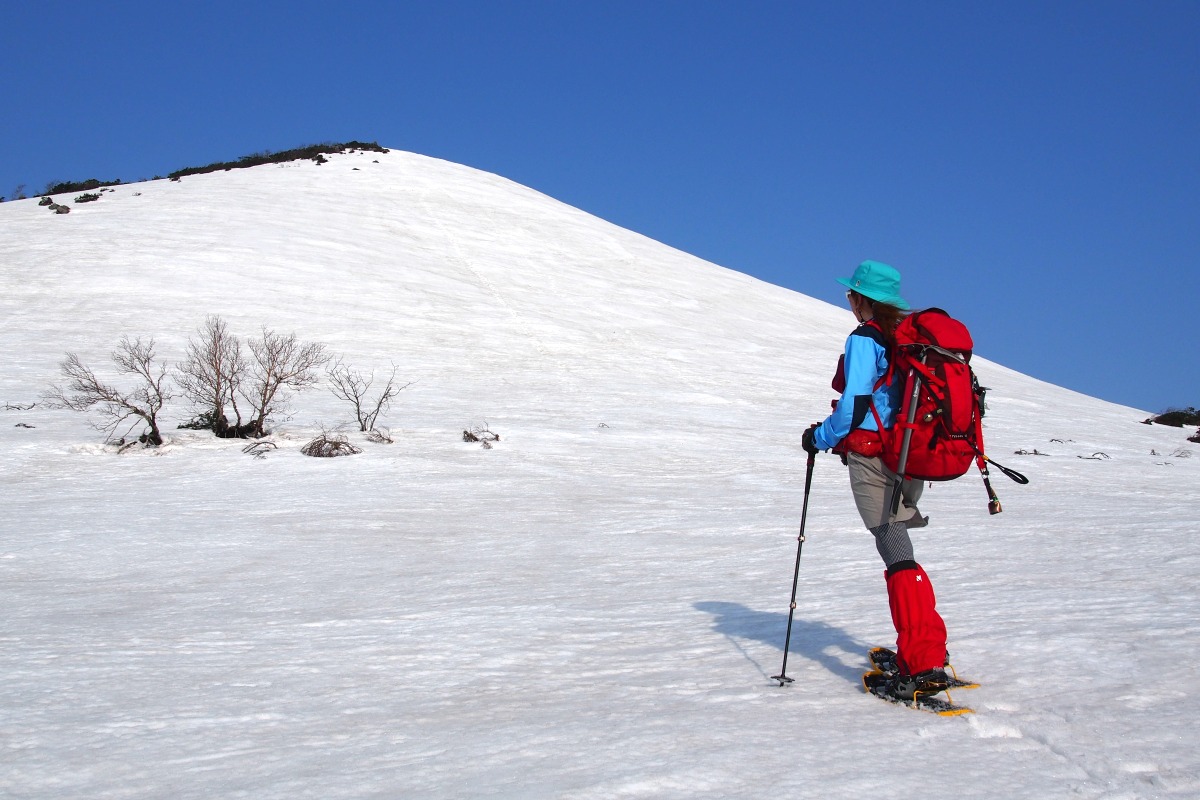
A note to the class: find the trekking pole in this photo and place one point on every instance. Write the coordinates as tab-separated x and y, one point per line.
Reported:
782	677
902	465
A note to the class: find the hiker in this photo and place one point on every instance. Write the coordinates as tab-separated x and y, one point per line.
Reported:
870	396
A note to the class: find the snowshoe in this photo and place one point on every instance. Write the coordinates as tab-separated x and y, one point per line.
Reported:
919	692
884	660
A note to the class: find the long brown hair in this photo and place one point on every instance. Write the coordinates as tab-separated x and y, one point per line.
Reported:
887	316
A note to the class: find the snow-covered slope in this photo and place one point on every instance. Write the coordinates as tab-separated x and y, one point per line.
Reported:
592	608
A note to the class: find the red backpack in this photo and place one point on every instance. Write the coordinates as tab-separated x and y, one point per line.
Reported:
938	429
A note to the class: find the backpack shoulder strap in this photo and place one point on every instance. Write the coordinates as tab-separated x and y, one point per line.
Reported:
871	330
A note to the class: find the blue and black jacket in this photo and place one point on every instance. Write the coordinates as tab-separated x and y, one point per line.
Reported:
863	366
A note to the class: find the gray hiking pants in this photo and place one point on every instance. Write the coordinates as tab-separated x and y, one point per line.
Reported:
872	484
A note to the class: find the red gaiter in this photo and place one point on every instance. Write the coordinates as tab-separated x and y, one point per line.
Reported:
920	631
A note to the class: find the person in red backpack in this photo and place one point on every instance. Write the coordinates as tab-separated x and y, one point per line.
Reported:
870	397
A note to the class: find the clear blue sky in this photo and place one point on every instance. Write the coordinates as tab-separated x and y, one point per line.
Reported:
1033	166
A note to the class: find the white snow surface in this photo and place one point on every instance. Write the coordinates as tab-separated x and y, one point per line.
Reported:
594	607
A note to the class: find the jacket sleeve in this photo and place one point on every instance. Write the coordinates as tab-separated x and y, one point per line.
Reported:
865	363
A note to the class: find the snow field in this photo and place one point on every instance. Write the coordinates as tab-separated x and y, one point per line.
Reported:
591	609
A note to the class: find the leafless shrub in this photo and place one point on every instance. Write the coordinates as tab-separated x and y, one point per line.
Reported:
482	435
19	407
330	445
278	366
85	391
1033	452
259	449
380	436
352	386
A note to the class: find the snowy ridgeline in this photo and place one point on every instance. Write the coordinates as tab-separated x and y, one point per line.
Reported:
593	606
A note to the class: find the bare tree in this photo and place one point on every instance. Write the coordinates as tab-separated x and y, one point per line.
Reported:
279	365
211	375
353	387
85	391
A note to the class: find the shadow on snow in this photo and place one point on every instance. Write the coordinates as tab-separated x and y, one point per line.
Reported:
816	641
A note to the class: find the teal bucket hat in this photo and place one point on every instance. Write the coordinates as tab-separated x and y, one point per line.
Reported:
878	281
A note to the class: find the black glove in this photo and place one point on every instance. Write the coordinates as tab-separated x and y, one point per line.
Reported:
806	441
